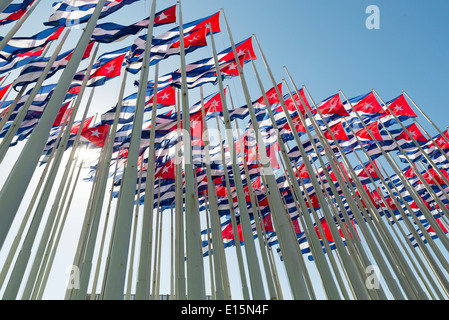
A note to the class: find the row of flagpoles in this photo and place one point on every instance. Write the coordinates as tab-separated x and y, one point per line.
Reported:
258	188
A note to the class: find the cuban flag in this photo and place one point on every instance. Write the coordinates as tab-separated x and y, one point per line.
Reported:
14	11
367	107
72	12
400	107
18	45
20	59
168	43
31	72
108	66
112	32
203	71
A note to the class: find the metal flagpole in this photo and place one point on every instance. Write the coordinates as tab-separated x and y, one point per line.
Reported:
195	273
17	25
404	182
268	276
287	238
324	270
180	287
15	186
356	281
156	242
143	281
4	4
52	244
134	235
217	239
119	255
39	291
347	189
19	233
100	251
236	234
257	289
394	250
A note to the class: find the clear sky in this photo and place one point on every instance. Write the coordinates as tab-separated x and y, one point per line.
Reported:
324	44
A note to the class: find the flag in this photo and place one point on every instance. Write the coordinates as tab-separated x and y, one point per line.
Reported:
96	135
108	66
72	12
401	109
14	11
20	59
168	43
367	107
31	72
203	71
111	32
18	45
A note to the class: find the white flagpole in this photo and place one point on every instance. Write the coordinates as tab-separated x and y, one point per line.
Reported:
134	235
268	276
14	188
195	272
257	289
143	282
359	288
100	252
394	249
119	255
287	238
324	270
217	239
180	283
404	181
237	240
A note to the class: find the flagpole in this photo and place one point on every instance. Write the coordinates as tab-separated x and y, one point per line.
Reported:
235	232
17	25
14	188
100	252
357	281
119	255
268	276
393	248
426	212
287	238
404	182
217	239
143	282
195	273
433	264
156	242
180	287
257	289
321	263
52	244
134	234
4	4
19	233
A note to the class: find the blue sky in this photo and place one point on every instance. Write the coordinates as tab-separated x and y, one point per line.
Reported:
324	44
